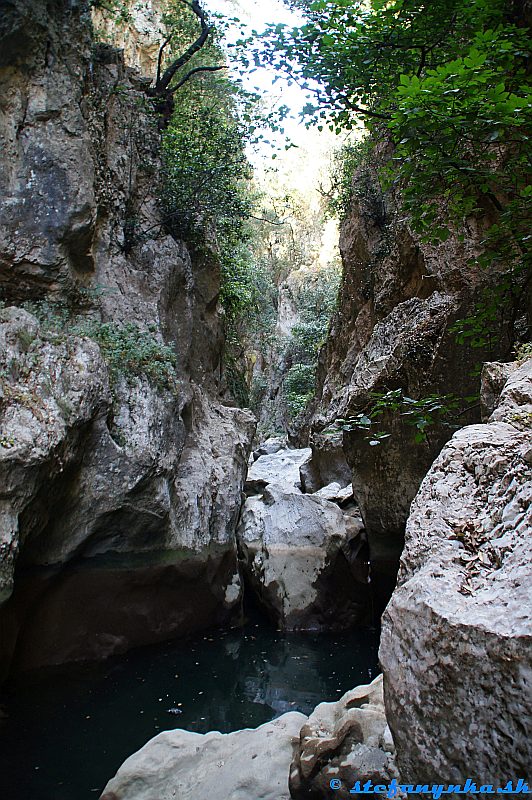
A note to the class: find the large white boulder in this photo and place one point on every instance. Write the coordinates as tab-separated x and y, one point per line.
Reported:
298	553
180	765
280	468
456	644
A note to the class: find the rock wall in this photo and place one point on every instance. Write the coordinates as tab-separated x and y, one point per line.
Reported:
398	300
456	645
138	32
119	494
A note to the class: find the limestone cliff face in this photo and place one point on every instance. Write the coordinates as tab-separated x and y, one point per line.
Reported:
138	32
398	300
119	495
456	642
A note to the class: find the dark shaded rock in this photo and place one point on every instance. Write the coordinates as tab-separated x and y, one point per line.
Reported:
96	607
327	464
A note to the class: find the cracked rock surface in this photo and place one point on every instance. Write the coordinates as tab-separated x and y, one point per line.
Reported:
456	645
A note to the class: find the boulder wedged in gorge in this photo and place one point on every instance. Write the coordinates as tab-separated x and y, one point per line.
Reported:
242	765
279	467
299	556
327	463
119	489
456	645
348	740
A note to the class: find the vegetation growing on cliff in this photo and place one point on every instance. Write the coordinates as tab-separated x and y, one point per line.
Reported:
316	301
129	351
444	84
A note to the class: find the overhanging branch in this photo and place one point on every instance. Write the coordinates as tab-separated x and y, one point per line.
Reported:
192	72
164	80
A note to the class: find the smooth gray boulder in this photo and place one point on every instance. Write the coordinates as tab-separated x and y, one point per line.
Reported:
269	447
280	468
298	553
180	765
456	645
336	493
347	740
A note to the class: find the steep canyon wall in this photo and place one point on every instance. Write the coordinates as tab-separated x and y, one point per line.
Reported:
119	491
393	331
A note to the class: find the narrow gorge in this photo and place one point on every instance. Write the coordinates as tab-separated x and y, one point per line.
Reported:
265	504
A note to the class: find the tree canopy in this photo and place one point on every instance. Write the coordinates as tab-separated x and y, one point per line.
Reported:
445	81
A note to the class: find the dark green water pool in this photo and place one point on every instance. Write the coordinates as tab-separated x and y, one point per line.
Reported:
64	735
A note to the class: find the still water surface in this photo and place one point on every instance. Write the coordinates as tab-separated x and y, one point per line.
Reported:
62	737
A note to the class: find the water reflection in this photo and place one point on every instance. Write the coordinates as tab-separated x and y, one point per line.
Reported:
64	736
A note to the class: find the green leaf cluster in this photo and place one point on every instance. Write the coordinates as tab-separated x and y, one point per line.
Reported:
445	85
420	414
130	352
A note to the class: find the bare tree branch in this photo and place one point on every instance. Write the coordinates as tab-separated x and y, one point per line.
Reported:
160	59
193	72
163	82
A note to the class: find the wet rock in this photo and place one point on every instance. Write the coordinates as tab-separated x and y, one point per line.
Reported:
237	766
456	635
348	741
299	555
280	468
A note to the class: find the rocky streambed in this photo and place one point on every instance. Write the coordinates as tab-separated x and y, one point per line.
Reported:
456	650
65	732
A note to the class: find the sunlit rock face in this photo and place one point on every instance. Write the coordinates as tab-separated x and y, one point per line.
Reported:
393	330
119	497
137	28
456	640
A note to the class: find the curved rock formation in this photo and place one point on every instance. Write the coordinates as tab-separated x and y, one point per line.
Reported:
456	643
347	741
